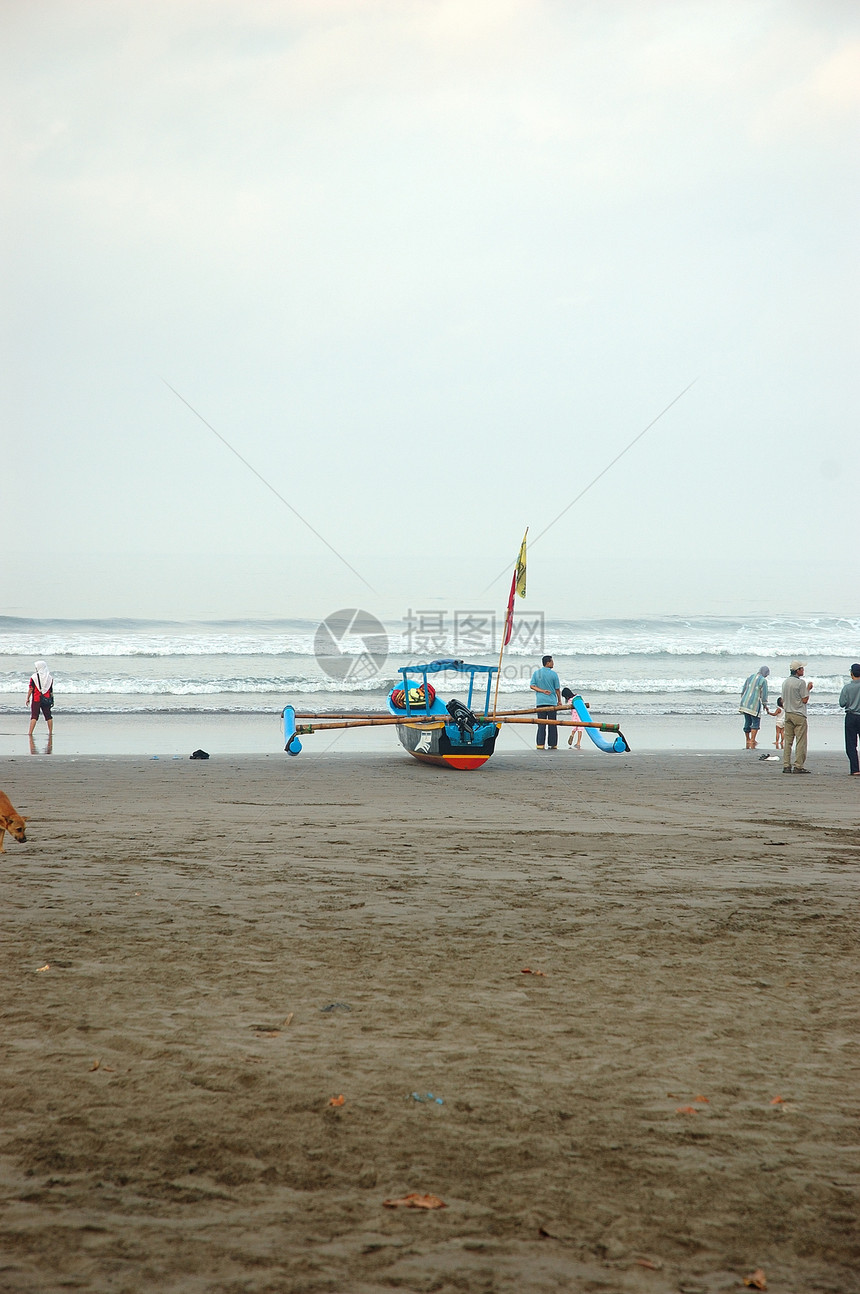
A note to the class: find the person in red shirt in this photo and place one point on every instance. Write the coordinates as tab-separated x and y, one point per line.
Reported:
40	697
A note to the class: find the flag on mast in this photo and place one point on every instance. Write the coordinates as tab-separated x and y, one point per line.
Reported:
518	587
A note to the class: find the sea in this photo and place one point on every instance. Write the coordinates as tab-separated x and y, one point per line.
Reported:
131	686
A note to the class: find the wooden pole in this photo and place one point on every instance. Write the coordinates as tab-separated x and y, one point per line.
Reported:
416	714
498	674
437	721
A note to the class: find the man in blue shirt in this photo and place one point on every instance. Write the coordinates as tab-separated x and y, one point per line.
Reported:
545	685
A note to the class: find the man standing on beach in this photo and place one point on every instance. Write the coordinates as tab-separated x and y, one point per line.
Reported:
795	693
546	684
849	698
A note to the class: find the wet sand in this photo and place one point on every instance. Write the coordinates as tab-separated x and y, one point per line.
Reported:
198	956
174	736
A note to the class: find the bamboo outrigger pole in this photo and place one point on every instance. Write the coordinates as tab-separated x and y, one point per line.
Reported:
325	716
437	721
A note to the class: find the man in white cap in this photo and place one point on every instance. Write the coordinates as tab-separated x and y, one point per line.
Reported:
795	696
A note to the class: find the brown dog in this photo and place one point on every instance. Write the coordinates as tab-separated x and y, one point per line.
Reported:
10	820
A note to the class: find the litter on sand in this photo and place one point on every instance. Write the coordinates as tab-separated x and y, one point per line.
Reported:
336	1006
527	970
428	1096
337	1100
415	1201
778	1100
47	966
756	1280
686	1109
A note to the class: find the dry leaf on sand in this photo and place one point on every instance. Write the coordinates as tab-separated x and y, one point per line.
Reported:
528	971
47	966
649	1263
686	1109
415	1201
94	1065
778	1100
756	1280
704	1099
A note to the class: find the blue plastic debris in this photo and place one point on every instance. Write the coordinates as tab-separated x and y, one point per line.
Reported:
428	1096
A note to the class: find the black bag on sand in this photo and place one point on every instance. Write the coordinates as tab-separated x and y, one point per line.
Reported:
198	754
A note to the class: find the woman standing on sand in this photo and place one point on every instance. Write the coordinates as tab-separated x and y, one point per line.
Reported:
753	697
40	696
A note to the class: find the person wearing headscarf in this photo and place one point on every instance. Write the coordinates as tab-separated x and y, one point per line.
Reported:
753	697
40	696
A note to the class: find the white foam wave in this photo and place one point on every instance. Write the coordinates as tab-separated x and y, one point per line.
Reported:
767	638
311	684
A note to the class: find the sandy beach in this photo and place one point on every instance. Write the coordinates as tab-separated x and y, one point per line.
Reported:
199	956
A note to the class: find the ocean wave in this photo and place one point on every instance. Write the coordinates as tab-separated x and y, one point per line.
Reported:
765	638
304	685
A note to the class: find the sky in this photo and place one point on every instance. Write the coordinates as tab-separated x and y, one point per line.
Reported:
428	267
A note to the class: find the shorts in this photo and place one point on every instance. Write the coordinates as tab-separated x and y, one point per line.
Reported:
752	722
40	707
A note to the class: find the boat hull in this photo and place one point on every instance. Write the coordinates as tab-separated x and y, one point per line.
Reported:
434	746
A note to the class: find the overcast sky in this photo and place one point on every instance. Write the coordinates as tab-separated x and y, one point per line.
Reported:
428	266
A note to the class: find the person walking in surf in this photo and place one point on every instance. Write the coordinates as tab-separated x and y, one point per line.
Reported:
40	697
753	697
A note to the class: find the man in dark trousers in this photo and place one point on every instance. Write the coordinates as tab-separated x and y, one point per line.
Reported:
849	698
546	684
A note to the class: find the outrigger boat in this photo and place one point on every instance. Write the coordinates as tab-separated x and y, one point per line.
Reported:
450	734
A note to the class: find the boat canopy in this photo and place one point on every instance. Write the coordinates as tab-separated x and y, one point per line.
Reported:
438	667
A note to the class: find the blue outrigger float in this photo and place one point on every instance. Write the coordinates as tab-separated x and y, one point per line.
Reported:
454	734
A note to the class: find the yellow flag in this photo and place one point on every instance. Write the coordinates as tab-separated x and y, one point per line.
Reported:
520	576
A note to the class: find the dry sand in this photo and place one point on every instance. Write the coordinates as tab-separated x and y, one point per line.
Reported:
696	924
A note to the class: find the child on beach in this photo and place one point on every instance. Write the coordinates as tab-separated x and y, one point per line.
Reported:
779	715
575	737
